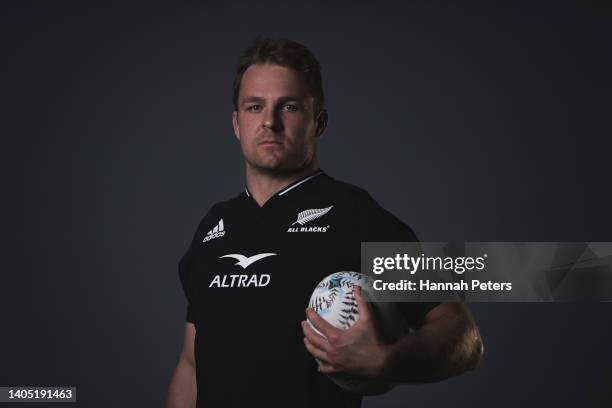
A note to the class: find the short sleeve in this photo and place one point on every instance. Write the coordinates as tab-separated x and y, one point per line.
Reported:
382	226
415	312
184	266
379	225
185	282
190	317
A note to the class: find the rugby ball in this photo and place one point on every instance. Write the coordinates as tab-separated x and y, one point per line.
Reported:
334	300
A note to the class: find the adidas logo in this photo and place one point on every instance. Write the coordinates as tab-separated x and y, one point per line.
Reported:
216	232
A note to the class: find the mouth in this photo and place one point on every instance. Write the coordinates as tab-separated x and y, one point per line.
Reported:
269	143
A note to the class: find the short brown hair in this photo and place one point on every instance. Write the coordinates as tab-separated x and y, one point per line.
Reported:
286	53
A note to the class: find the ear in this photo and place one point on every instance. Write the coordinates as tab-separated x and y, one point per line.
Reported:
322	119
235	124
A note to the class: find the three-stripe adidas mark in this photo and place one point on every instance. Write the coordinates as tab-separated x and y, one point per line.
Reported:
217	232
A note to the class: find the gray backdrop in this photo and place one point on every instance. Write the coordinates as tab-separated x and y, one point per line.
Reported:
472	124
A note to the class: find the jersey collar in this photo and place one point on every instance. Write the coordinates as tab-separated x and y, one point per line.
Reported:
293	185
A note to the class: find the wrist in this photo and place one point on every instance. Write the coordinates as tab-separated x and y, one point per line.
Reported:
395	357
383	362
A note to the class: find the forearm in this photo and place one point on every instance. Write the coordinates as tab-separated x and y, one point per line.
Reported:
182	390
446	345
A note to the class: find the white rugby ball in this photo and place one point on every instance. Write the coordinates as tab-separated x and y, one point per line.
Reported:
334	300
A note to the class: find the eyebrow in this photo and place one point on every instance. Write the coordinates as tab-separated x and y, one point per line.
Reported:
282	99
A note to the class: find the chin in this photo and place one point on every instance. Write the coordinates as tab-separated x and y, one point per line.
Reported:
269	165
270	162
276	163
278	167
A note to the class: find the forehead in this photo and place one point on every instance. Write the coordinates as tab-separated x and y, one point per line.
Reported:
271	81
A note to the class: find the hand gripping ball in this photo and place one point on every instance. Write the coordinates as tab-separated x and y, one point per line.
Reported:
334	300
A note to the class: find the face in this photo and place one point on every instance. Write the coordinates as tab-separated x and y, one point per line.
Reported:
275	122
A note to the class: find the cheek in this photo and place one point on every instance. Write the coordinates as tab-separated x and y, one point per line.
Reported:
302	130
247	131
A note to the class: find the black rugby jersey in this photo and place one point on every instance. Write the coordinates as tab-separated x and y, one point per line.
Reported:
248	276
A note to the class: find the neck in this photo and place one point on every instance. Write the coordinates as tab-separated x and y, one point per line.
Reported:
263	184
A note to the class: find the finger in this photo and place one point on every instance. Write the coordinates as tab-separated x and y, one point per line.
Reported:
315	338
316	352
327	369
365	310
321	324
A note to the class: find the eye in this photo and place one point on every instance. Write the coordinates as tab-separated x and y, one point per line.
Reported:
290	107
254	108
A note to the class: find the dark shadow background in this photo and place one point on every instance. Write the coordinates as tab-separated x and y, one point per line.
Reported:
478	124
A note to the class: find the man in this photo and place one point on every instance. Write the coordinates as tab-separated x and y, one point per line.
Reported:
255	260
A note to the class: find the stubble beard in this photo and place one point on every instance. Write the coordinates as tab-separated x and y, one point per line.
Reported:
285	163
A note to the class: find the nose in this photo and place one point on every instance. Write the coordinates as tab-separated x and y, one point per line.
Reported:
271	120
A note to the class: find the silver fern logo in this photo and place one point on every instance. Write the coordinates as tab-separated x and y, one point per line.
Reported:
307	216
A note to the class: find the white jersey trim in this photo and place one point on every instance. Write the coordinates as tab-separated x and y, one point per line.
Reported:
287	189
